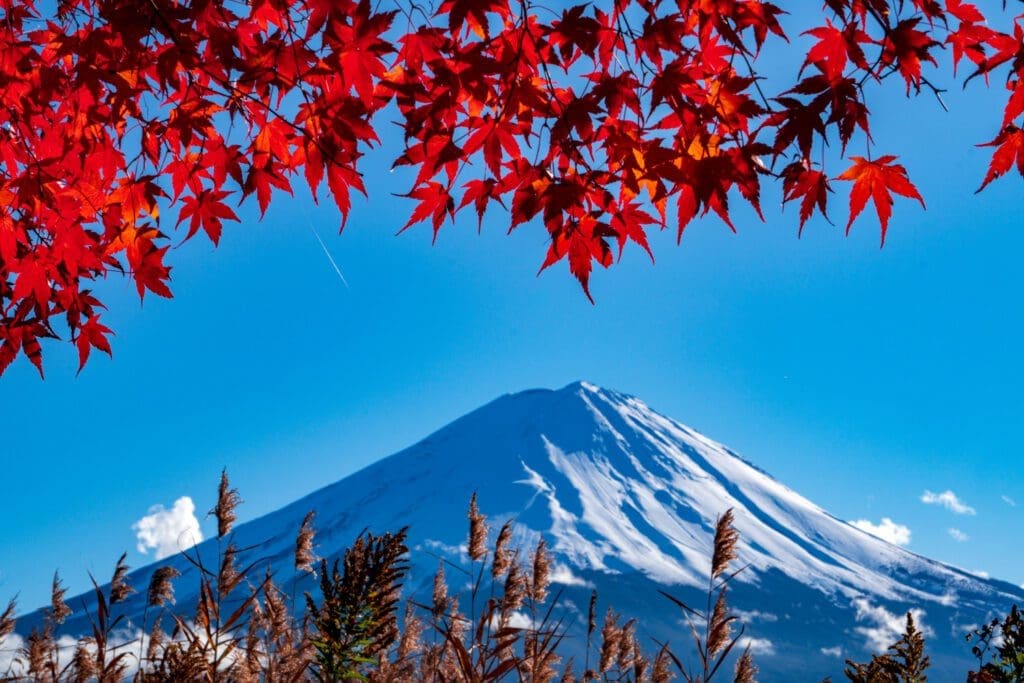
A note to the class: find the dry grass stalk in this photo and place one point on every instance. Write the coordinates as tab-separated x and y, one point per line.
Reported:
439	597
640	662
662	673
502	554
59	610
228	576
746	670
626	643
515	587
276	618
156	642
721	626
83	664
119	588
249	667
724	552
716	640
610	636
410	643
40	653
304	557
227	500
477	531
284	654
541	573
161	588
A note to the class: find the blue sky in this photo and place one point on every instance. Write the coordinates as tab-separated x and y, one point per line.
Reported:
860	377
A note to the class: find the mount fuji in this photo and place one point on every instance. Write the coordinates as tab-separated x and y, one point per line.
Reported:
627	500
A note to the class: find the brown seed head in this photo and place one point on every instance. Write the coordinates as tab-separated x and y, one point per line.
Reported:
440	595
156	641
305	560
250	665
119	588
410	644
477	531
277	618
515	587
721	626
59	609
627	638
458	624
640	663
227	500
84	663
610	636
746	670
161	590
725	545
661	672
541	573
39	650
502	554
228	577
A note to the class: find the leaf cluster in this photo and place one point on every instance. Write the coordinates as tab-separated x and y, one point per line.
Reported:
125	121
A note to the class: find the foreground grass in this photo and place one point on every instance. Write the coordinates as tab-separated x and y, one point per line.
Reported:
356	626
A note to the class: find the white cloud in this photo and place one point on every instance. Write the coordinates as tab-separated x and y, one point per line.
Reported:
883	628
834	651
980	573
562	574
887	530
958	535
1009	501
168	532
754	615
454	550
758	646
516	619
948	500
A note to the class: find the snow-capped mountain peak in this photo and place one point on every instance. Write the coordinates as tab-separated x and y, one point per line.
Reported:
628	499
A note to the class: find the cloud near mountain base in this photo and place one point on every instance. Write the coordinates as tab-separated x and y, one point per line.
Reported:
168	532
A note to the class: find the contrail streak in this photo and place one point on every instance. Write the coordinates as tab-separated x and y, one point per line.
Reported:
327	253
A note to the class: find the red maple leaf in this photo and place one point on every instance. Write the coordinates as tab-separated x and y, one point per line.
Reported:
206	210
808	185
877	179
583	242
906	47
92	333
835	47
1009	146
472	12
435	203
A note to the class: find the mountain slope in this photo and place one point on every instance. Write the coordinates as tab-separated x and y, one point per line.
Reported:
627	499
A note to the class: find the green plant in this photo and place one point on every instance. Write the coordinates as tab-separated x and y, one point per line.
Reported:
1003	641
905	662
356	618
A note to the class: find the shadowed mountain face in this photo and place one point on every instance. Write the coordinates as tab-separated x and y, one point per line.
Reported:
627	500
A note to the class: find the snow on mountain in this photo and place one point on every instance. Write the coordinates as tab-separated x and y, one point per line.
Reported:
627	499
